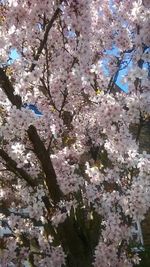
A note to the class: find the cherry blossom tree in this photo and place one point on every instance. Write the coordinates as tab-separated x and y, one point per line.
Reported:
73	179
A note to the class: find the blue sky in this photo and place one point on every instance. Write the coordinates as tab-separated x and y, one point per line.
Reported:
123	70
13	55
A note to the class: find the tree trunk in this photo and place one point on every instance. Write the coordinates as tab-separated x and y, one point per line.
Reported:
79	239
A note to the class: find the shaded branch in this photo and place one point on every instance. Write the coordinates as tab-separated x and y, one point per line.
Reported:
39	148
43	42
7	212
12	166
43	156
46	92
65	94
9	89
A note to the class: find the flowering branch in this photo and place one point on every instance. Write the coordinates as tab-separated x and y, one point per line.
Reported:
9	89
39	148
43	42
43	156
12	165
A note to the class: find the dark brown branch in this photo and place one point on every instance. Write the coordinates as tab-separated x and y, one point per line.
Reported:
43	156
140	126
43	42
65	94
7	212
12	166
9	89
46	92
39	148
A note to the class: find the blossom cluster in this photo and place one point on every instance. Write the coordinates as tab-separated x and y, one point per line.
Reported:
73	177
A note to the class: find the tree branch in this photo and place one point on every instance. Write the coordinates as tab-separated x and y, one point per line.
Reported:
39	148
44	158
43	42
12	165
140	126
9	89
